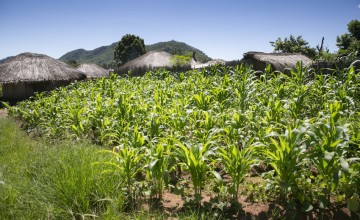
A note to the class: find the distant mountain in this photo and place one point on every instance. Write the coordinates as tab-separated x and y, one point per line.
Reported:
103	56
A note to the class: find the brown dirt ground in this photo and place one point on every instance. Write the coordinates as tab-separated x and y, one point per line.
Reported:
173	203
3	113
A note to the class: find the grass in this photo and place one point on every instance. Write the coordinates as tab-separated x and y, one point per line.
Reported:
49	180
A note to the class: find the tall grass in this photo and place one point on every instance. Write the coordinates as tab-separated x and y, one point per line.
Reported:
50	180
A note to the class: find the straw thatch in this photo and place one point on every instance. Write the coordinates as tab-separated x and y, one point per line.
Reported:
278	61
27	73
31	67
210	63
150	60
92	71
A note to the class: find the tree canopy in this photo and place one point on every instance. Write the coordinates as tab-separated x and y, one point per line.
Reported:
350	42
181	60
128	48
293	45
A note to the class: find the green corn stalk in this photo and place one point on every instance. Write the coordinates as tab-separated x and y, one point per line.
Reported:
285	154
330	146
209	122
236	163
221	95
194	159
154	127
245	88
298	104
275	111
135	138
77	121
158	167
202	101
127	163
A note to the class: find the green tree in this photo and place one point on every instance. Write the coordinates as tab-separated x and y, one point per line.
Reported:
293	45
179	60
128	48
344	41
349	42
73	63
354	29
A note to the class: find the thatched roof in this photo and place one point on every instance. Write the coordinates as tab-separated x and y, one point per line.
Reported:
279	61
150	59
92	70
31	67
210	63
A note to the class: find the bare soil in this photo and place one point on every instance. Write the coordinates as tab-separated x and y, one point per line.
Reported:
3	113
173	204
245	208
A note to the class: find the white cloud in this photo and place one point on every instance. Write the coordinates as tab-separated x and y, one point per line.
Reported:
359	6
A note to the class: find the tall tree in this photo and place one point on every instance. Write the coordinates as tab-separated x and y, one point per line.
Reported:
344	41
293	45
350	42
128	48
354	29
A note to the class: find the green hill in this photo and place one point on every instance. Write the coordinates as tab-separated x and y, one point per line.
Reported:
104	55
101	56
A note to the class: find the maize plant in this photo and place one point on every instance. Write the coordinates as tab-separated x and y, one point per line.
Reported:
236	163
195	159
330	146
181	117
159	165
127	163
285	153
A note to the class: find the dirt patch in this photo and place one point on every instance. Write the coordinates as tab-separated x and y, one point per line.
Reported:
3	113
172	202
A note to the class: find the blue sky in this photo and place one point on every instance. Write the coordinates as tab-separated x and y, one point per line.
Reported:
222	29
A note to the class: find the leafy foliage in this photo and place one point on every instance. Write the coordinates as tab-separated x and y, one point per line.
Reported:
349	42
293	45
128	48
180	60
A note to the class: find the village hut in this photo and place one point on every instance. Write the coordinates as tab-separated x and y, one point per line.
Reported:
148	61
210	63
92	71
279	61
27	73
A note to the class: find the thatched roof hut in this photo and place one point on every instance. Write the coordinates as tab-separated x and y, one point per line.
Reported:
278	61
210	63
152	59
92	71
27	73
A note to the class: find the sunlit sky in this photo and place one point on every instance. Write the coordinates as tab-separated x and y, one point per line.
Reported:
222	29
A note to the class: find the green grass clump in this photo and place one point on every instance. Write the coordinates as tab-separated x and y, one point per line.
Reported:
49	180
